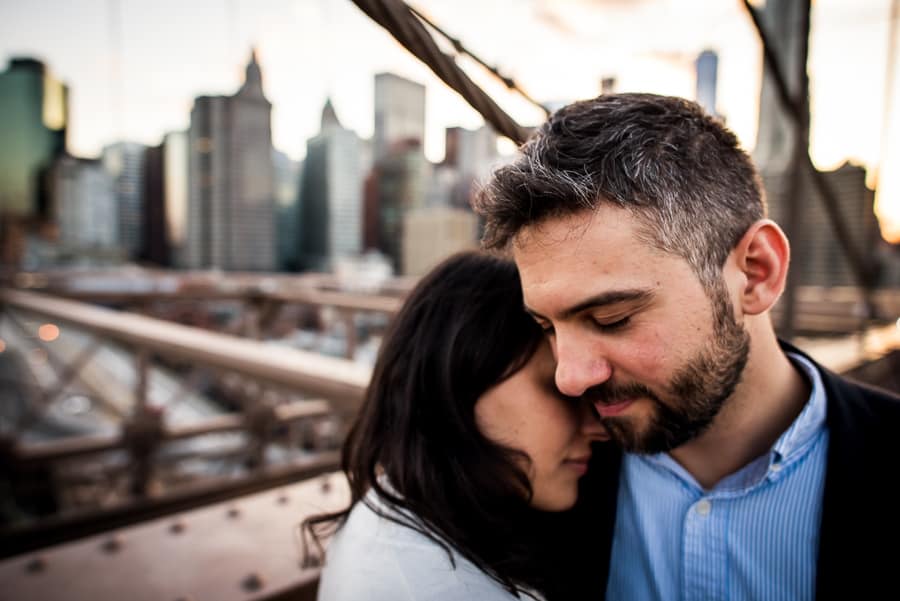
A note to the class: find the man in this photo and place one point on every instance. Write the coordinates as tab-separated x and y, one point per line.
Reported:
749	472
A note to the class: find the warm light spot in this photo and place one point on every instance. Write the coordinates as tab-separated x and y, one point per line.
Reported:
48	332
3	342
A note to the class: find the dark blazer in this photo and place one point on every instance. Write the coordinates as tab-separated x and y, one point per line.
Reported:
859	543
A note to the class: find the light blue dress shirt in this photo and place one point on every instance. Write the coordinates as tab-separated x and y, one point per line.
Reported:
754	536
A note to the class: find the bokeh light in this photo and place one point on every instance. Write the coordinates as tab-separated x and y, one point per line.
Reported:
48	332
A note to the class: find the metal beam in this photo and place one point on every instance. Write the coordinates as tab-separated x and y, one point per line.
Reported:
69	448
340	381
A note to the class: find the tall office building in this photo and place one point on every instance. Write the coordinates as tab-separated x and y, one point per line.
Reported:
33	121
175	194
85	208
707	67
399	112
154	245
124	161
432	234
231	212
288	178
331	198
401	172
402	181
472	154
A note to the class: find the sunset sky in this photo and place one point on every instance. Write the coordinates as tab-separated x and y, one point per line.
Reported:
135	66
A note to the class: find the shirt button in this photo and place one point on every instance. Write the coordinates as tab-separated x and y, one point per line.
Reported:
703	507
776	467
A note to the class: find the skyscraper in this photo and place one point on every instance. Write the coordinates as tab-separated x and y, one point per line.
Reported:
399	112
33	120
401	170
288	177
231	213
707	66
124	161
331	195
432	234
85	208
471	154
175	193
402	179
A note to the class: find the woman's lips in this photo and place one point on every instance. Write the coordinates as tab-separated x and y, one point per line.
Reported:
579	464
608	410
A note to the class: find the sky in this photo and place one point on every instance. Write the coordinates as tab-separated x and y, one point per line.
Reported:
134	66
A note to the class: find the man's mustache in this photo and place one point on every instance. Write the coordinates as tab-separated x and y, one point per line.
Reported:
610	393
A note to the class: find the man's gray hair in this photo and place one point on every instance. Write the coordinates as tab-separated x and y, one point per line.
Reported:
678	170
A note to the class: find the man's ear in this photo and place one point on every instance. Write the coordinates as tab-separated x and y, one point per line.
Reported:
762	256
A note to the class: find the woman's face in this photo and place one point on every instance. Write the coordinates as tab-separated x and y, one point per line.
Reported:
525	412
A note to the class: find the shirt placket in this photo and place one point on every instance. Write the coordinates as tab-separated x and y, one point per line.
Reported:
705	550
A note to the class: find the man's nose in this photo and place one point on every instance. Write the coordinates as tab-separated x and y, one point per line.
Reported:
579	367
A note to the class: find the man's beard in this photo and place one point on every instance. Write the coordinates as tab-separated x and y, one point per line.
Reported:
695	395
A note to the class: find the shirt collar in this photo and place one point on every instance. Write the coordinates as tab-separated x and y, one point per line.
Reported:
811	419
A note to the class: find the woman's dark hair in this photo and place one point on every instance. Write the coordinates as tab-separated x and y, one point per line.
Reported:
461	331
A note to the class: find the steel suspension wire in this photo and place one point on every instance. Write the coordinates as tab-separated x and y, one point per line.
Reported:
509	82
860	267
400	21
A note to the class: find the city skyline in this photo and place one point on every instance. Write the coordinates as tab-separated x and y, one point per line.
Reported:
127	85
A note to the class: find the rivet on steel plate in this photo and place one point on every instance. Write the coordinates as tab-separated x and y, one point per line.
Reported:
112	544
36	564
252	582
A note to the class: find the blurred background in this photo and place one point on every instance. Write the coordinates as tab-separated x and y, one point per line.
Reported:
210	210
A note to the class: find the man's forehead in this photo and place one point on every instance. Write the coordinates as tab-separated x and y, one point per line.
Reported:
553	229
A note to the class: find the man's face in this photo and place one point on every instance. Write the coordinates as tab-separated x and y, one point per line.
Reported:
631	327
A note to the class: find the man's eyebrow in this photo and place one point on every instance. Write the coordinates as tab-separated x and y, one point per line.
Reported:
603	299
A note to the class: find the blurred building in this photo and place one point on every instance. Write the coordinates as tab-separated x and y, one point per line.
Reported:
371	213
231	206
402	181
399	112
175	195
124	161
33	120
707	67
331	196
608	85
432	234
154	242
165	201
85	210
401	174
817	257
288	179
472	154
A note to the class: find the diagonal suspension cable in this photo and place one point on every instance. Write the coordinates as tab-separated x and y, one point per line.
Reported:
400	21
509	82
859	266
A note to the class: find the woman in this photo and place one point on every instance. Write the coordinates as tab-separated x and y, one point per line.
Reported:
461	444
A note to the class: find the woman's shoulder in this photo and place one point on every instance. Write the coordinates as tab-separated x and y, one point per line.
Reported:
373	557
